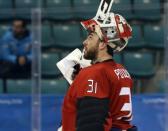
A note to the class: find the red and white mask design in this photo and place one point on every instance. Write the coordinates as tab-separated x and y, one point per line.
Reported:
114	30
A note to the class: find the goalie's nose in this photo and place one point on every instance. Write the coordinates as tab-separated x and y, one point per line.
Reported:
84	43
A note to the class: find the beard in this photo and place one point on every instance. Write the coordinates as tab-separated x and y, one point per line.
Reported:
91	54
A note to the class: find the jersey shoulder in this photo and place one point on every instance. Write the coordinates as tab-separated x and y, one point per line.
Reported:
121	72
96	69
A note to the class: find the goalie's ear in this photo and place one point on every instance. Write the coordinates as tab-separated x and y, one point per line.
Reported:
102	45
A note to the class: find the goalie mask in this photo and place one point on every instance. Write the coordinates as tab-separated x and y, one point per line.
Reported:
113	30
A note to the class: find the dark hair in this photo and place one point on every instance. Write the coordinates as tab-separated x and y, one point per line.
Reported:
110	50
24	23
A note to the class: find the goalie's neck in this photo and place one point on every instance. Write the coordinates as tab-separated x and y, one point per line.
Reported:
102	59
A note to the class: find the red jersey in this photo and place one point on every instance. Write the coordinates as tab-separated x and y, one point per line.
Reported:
102	80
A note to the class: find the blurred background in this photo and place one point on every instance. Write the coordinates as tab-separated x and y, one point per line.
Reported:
35	34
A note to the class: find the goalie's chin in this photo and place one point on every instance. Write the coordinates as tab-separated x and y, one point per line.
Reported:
85	54
88	56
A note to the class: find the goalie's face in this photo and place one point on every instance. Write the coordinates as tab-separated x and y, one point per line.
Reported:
91	46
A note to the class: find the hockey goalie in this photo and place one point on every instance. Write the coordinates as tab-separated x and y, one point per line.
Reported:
99	96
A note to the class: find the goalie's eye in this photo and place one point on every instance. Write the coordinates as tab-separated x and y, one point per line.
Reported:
90	35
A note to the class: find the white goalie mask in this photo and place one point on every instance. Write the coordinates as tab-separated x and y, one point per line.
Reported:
113	30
